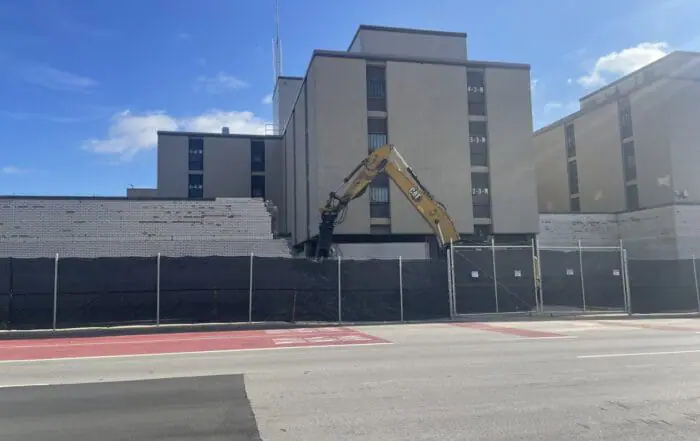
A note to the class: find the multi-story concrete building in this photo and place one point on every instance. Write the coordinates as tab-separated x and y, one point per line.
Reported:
633	146
465	126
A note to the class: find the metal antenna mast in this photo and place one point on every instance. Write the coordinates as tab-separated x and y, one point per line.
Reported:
277	44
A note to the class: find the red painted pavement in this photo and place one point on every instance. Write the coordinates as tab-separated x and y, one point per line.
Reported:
185	342
508	330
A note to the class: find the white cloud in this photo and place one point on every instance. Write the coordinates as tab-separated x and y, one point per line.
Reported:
617	64
130	134
12	170
267	99
220	83
214	120
56	79
533	83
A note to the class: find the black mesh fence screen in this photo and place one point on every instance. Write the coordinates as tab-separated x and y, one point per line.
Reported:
116	291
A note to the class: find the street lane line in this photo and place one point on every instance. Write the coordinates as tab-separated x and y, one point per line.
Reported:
217	351
640	354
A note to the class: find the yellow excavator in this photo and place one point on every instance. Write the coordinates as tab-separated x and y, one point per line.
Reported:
385	159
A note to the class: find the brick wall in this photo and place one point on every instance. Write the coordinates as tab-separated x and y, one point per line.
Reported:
116	227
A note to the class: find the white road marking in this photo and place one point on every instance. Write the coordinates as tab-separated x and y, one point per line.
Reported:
218	351
640	354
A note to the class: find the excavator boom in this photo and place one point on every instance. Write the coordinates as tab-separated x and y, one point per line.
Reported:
385	159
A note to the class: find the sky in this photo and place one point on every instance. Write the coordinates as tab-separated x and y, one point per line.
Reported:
85	84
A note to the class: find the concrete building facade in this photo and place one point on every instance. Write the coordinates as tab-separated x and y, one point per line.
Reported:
632	150
465	126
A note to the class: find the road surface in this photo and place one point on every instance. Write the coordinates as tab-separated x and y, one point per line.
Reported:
550	381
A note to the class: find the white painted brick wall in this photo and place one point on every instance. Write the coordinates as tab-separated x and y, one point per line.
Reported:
567	229
73	227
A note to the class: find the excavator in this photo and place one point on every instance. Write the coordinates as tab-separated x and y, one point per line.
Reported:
385	159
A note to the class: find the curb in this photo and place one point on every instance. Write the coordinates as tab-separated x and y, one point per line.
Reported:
217	327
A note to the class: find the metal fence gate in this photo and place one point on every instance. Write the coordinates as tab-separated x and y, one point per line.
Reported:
490	278
583	279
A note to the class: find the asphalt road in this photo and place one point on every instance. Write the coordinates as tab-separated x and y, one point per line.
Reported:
436	382
199	408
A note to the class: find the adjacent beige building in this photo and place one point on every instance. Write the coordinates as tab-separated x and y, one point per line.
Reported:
634	144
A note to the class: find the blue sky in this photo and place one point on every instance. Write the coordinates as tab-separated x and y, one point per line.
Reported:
85	84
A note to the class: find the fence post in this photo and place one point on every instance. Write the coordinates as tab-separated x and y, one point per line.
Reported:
623	270
340	297
580	269
697	289
627	280
535	274
55	291
158	290
450	291
250	290
495	278
401	286
539	273
452	278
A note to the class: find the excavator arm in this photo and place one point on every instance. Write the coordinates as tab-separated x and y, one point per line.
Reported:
385	159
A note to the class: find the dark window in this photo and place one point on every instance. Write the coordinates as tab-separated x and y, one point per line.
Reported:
477	109
629	163
482	211
478	143
575	205
379	210
572	169
380	229
376	88
195	186
481	200
476	96
632	197
257	156
570	141
381	180
376	127
257	187
625	114
196	153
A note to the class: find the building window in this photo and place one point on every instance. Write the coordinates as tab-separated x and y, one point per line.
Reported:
575	205
376	88
481	199
570	141
572	169
195	186
257	186
629	162
478	143
377	129
196	154
625	114
476	93
632	197
378	194
257	155
379	210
